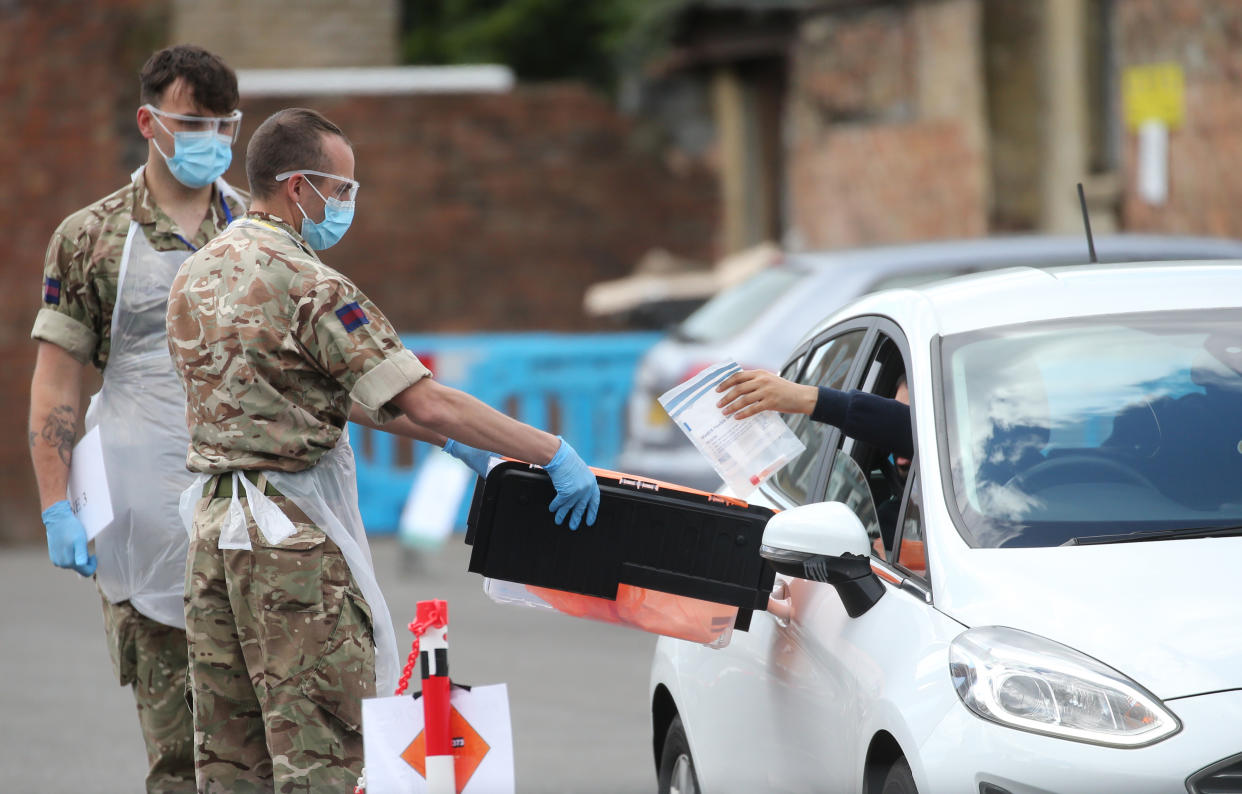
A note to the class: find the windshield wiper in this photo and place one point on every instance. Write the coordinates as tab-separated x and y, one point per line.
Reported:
1156	534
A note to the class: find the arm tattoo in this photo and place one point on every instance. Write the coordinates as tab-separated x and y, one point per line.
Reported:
59	431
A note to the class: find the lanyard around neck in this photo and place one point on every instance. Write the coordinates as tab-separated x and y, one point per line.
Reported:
228	218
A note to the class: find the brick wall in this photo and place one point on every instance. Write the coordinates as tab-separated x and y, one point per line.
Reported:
886	140
1205	38
68	94
485	212
888	183
495	212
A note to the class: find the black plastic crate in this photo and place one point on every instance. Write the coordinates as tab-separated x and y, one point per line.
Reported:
647	534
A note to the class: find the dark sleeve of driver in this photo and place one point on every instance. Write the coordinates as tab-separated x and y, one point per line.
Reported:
881	421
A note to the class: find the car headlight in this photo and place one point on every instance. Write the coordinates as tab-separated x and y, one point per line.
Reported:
1034	684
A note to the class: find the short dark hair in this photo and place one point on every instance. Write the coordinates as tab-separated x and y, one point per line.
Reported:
288	140
212	84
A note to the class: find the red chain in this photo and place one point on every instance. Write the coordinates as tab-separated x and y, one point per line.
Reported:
409	667
431	614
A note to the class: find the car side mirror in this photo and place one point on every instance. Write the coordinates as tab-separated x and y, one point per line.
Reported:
824	542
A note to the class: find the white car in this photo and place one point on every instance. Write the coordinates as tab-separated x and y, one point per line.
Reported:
1048	602
757	322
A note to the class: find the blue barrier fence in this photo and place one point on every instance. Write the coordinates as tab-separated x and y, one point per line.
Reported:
575	385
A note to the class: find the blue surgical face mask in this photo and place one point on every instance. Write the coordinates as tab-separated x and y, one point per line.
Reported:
199	158
337	215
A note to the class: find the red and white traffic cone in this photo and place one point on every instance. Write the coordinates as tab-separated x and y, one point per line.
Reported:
433	652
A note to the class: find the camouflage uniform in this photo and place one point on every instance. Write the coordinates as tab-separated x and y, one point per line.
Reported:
80	289
274	347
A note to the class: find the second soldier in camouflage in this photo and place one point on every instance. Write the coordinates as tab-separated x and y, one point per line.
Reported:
105	282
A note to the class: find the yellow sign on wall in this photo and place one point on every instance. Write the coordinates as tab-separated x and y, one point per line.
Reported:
1154	92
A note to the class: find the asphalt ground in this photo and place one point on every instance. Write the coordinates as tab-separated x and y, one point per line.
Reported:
577	689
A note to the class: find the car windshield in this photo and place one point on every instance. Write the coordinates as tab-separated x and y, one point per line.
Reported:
732	310
1097	427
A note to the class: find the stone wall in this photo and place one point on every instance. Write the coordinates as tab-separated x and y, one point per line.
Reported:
265	34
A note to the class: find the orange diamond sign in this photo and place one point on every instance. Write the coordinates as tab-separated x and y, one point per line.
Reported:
468	750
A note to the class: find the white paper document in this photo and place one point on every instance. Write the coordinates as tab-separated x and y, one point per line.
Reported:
482	742
88	485
744	452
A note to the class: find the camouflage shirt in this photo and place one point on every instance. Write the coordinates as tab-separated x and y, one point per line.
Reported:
273	347
83	262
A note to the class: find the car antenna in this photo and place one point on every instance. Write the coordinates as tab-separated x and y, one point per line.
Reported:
1086	222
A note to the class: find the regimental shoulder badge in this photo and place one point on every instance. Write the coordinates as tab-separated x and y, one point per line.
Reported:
352	316
51	291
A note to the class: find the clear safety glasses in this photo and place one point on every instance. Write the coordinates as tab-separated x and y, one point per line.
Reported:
224	126
346	190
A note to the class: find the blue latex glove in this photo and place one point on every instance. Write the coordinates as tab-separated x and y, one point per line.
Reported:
66	539
576	489
476	459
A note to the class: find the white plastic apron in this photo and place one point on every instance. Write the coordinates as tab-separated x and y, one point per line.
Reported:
140	412
328	494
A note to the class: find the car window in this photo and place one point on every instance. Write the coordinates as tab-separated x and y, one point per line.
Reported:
848	484
790	370
725	315
866	475
829	365
1093	428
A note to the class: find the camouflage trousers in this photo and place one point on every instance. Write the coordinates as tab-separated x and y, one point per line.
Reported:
282	653
150	658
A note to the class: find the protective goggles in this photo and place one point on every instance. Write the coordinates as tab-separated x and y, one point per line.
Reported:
347	190
225	126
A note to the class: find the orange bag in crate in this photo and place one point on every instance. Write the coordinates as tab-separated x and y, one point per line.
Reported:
648	610
578	606
673	615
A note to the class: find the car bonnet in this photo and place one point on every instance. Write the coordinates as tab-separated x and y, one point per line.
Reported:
1164	613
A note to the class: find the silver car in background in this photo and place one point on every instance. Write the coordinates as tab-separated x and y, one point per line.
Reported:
757	322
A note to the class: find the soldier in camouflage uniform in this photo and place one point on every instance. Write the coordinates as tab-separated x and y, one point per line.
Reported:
103	275
287	629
